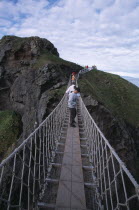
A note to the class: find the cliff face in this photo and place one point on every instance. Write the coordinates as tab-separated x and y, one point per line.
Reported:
32	78
114	105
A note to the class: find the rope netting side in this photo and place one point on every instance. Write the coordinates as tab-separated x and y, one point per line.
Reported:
23	173
116	187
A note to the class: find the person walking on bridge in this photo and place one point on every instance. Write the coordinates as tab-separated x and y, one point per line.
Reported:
74	73
73	79
71	89
72	103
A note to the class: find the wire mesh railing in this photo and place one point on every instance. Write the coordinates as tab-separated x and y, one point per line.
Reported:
23	173
115	186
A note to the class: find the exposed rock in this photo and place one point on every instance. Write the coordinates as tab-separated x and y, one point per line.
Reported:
58	85
1	72
89	101
25	88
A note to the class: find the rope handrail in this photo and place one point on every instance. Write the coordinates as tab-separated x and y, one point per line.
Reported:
23	172
116	187
28	138
112	150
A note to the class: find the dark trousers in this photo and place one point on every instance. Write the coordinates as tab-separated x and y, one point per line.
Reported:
72	115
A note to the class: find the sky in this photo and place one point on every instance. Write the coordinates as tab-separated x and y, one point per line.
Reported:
104	33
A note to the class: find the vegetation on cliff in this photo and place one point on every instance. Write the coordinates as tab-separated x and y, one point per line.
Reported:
10	129
49	58
34	44
117	94
34	51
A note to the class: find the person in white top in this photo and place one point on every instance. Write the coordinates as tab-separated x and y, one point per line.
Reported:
70	89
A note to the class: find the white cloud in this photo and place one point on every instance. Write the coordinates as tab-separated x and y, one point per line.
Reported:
4	23
104	33
101	4
126	74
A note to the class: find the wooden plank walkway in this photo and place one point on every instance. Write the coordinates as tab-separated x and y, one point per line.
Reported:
71	193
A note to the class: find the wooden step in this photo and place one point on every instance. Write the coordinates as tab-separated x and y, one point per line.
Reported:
83	139
90	168
52	180
59	153
83	145
90	185
61	144
84	155
56	164
45	205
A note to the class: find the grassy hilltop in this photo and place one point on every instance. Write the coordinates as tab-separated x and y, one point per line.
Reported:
117	94
41	49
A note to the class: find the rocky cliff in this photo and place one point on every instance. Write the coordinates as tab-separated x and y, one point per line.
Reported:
114	104
33	79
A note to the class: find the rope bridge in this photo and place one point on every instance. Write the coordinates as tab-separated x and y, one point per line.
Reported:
23	175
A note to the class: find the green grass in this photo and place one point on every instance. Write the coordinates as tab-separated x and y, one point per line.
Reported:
58	93
47	57
18	43
117	94
10	127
